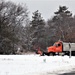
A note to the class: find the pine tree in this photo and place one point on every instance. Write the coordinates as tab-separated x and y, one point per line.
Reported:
37	28
62	20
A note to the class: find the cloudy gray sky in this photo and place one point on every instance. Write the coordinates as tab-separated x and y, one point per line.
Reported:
47	7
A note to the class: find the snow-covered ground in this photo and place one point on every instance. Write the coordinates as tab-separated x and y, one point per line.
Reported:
35	64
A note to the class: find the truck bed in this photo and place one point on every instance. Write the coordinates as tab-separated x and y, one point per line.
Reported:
68	46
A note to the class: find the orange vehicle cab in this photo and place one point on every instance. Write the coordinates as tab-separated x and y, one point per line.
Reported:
57	47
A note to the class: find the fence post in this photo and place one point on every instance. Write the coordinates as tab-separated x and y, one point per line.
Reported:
69	50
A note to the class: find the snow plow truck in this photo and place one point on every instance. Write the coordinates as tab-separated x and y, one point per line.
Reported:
59	48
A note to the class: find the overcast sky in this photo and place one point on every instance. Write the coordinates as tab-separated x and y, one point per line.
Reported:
47	7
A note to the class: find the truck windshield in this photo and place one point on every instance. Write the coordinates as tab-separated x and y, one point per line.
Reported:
56	45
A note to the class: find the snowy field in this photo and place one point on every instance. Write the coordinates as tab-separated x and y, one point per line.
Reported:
35	65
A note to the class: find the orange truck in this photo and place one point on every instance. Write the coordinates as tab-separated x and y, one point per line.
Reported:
60	48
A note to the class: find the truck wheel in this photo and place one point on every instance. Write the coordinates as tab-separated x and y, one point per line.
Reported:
51	54
66	53
57	53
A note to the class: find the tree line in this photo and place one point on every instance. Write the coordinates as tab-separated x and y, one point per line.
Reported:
19	34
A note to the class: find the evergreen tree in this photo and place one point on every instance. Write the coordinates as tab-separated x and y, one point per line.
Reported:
62	20
37	29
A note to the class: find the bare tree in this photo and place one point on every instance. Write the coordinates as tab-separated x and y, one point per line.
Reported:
12	19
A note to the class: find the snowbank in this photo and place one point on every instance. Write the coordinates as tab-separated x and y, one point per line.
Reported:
35	64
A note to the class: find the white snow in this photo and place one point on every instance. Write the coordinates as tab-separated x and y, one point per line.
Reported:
35	64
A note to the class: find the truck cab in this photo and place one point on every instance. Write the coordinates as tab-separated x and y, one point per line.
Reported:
56	48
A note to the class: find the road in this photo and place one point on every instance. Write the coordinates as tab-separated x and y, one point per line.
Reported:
69	73
66	73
